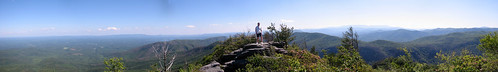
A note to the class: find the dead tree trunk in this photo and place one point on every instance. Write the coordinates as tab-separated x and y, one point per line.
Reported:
162	57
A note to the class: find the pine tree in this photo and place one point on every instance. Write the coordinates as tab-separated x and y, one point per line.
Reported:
313	50
350	39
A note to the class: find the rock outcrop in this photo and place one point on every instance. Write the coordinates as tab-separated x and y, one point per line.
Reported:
237	59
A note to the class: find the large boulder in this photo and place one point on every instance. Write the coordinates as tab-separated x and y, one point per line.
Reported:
233	65
251	52
252	45
237	58
212	67
227	57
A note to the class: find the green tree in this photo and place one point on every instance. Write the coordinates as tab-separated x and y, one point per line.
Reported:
348	58
350	39
402	63
191	68
313	50
489	44
282	35
114	65
153	68
465	62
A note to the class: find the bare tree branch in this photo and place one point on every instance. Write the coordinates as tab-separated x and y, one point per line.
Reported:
157	55
171	62
162	54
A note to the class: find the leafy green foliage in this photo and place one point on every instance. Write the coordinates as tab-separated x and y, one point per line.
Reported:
295	60
457	63
153	68
489	44
491	65
251	68
261	63
192	68
282	35
348	58
114	64
402	63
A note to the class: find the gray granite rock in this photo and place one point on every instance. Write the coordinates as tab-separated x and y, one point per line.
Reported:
237	58
212	67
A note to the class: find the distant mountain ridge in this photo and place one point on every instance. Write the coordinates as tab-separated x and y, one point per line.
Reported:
424	48
403	35
361	29
396	34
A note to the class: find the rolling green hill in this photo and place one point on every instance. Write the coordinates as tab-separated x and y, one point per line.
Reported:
427	47
371	51
319	40
404	35
424	49
146	51
187	51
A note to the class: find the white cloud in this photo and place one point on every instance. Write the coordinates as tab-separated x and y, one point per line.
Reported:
286	20
190	26
112	28
108	29
230	23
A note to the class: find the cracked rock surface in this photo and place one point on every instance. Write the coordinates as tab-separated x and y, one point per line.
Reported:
237	58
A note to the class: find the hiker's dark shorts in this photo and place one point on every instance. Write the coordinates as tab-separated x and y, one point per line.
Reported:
258	35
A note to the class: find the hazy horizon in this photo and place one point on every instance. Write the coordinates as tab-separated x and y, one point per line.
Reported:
31	18
340	28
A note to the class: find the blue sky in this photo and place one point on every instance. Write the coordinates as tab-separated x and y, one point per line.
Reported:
186	17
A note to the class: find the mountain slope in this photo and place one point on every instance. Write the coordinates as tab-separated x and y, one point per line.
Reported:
186	51
403	35
399	35
319	40
146	51
371	51
424	49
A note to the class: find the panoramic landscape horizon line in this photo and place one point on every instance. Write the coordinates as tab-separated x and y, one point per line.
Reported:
229	33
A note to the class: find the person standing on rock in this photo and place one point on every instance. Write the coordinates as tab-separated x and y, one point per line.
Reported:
258	34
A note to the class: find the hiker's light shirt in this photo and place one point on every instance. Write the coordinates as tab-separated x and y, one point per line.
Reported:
258	30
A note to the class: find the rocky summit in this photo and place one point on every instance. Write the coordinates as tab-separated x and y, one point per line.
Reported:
237	59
